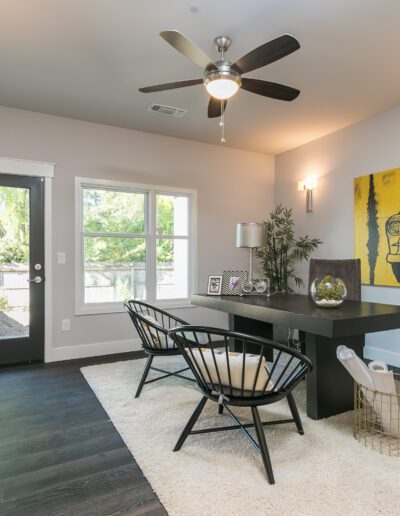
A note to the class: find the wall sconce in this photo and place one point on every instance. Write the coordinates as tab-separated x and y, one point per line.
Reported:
309	184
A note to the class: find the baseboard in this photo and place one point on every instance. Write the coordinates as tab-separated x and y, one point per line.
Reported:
92	350
122	346
390	357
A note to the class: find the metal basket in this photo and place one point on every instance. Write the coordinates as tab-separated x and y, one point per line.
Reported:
377	418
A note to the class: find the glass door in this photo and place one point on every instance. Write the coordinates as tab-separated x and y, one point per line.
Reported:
21	269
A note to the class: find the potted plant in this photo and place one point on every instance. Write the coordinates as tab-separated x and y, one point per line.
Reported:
283	250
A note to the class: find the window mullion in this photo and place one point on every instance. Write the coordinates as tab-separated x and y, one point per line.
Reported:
112	235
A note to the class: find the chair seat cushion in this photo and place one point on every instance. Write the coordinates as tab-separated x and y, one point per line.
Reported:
203	360
161	341
158	339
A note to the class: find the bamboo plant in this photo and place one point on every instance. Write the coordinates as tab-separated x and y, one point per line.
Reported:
283	250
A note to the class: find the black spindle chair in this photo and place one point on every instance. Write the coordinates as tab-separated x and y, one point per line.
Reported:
152	325
240	379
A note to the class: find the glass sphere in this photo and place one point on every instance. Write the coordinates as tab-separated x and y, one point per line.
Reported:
328	292
247	287
261	286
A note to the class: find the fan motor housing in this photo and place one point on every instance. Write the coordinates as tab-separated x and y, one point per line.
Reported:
224	71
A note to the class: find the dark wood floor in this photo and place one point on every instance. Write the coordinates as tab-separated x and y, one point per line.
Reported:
59	452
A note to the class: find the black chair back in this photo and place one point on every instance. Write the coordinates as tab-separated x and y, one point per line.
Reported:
348	270
153	325
243	378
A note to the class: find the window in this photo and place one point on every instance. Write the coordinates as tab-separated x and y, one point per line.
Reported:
132	242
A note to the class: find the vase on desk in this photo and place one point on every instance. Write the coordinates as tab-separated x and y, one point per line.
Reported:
328	292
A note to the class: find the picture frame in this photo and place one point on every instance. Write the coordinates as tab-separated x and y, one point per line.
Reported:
232	282
214	286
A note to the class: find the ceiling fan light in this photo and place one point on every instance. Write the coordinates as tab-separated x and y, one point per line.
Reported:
222	88
222	85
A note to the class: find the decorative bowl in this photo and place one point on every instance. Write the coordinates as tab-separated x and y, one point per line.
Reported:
328	292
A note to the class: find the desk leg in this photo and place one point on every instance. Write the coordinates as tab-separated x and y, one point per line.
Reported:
251	327
329	385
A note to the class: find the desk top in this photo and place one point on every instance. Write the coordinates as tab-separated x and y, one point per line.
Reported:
299	311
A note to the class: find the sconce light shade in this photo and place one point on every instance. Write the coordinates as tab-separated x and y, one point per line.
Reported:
250	234
311	183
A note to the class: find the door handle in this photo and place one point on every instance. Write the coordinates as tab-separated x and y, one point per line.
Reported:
36	279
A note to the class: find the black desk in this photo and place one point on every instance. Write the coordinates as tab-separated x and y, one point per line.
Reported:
329	386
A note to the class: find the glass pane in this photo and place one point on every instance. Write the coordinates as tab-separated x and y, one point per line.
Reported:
172	215
110	211
172	269
115	269
14	262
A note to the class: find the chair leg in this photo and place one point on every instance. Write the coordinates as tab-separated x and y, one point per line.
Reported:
295	413
263	445
220	409
190	424
145	373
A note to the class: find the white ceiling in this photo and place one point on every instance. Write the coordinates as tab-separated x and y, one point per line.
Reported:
86	59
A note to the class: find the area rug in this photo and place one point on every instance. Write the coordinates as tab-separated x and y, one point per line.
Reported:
324	472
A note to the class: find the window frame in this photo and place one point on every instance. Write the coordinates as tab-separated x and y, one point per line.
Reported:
82	308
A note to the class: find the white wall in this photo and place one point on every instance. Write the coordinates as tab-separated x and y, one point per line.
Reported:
368	146
233	186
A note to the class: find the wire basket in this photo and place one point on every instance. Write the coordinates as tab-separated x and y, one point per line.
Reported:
377	418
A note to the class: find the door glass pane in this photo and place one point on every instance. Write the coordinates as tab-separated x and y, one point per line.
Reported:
14	262
172	215
172	268
115	269
113	211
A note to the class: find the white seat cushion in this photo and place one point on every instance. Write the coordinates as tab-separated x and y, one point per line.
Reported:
157	338
235	366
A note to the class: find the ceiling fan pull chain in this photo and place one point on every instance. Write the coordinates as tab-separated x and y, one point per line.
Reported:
222	122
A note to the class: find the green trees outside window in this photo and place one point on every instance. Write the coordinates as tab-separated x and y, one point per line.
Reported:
14	225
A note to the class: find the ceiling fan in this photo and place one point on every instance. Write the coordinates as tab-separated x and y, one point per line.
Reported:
222	78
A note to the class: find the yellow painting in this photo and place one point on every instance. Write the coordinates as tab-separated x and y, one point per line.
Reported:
377	227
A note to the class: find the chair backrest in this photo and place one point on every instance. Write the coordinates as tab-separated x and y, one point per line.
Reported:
152	325
348	270
239	375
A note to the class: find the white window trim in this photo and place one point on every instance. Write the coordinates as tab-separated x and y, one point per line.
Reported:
105	308
22	167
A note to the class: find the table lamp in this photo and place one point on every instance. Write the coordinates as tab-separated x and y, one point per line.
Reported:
250	235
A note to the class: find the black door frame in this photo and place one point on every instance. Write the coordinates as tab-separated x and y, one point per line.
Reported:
31	348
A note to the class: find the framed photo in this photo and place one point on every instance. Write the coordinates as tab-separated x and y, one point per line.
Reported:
214	285
232	282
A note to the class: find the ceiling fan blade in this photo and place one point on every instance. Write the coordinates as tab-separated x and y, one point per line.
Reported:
270	89
214	108
267	53
170	85
186	47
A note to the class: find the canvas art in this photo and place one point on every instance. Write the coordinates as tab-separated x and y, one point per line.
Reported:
377	227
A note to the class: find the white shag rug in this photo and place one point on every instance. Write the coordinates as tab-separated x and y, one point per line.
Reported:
324	472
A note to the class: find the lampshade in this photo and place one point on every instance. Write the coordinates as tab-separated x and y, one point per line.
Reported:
250	234
222	84
222	88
